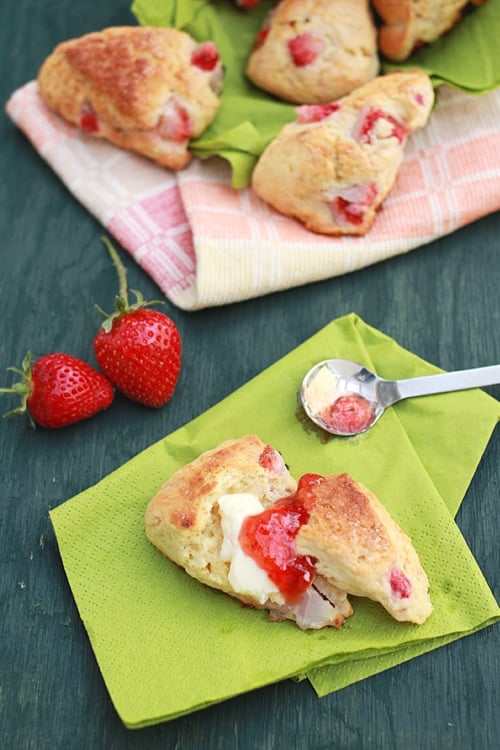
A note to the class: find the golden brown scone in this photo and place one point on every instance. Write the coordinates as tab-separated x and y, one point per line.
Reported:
235	519
184	521
312	51
409	24
359	548
332	168
149	90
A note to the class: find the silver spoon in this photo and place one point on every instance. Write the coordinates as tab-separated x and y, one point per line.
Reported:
345	398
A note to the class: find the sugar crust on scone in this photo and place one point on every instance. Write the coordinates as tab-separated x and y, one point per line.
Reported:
140	87
312	51
332	168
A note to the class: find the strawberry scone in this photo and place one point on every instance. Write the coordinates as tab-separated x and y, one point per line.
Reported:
312	51
407	25
332	168
236	520
360	548
149	90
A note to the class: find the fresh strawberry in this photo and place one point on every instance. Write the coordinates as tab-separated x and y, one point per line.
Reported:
59	389
138	349
305	48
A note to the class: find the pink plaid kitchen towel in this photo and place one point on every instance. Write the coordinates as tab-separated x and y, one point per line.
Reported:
207	244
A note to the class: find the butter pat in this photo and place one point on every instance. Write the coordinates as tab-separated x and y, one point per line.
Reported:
245	576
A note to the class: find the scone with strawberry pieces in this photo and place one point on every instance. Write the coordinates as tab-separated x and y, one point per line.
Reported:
407	25
312	51
149	90
236	520
332	168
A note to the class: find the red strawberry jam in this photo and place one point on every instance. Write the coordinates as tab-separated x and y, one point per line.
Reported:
205	56
316	112
364	130
269	539
349	414
400	584
89	122
305	48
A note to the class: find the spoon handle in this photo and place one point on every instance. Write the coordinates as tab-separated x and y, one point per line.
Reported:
449	381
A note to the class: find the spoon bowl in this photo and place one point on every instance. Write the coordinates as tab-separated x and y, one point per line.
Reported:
345	398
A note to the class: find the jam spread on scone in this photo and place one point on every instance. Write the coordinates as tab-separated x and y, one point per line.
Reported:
269	538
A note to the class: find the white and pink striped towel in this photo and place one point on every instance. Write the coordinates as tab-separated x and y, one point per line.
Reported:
207	244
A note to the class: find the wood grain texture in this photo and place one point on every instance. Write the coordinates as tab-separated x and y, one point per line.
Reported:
441	301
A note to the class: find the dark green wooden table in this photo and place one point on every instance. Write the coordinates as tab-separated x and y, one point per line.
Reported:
441	301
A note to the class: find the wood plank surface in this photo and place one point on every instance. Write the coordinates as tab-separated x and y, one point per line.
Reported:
441	301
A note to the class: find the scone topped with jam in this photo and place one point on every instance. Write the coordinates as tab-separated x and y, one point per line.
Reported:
236	520
149	90
332	168
312	51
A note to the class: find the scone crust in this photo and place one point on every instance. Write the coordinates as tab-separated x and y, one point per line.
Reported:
345	33
128	75
359	547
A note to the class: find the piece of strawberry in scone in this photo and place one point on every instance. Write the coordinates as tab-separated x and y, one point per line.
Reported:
149	90
332	168
313	51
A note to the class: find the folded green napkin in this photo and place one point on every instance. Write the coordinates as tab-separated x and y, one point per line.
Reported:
166	645
248	118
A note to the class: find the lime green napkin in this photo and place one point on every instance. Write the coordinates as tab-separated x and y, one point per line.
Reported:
166	645
248	118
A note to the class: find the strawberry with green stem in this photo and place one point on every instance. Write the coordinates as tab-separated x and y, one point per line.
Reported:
58	390
138	349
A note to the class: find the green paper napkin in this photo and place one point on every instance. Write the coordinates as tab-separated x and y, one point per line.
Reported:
167	645
249	119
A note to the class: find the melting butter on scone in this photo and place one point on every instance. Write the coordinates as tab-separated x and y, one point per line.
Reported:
333	167
407	25
312	51
236	520
148	90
